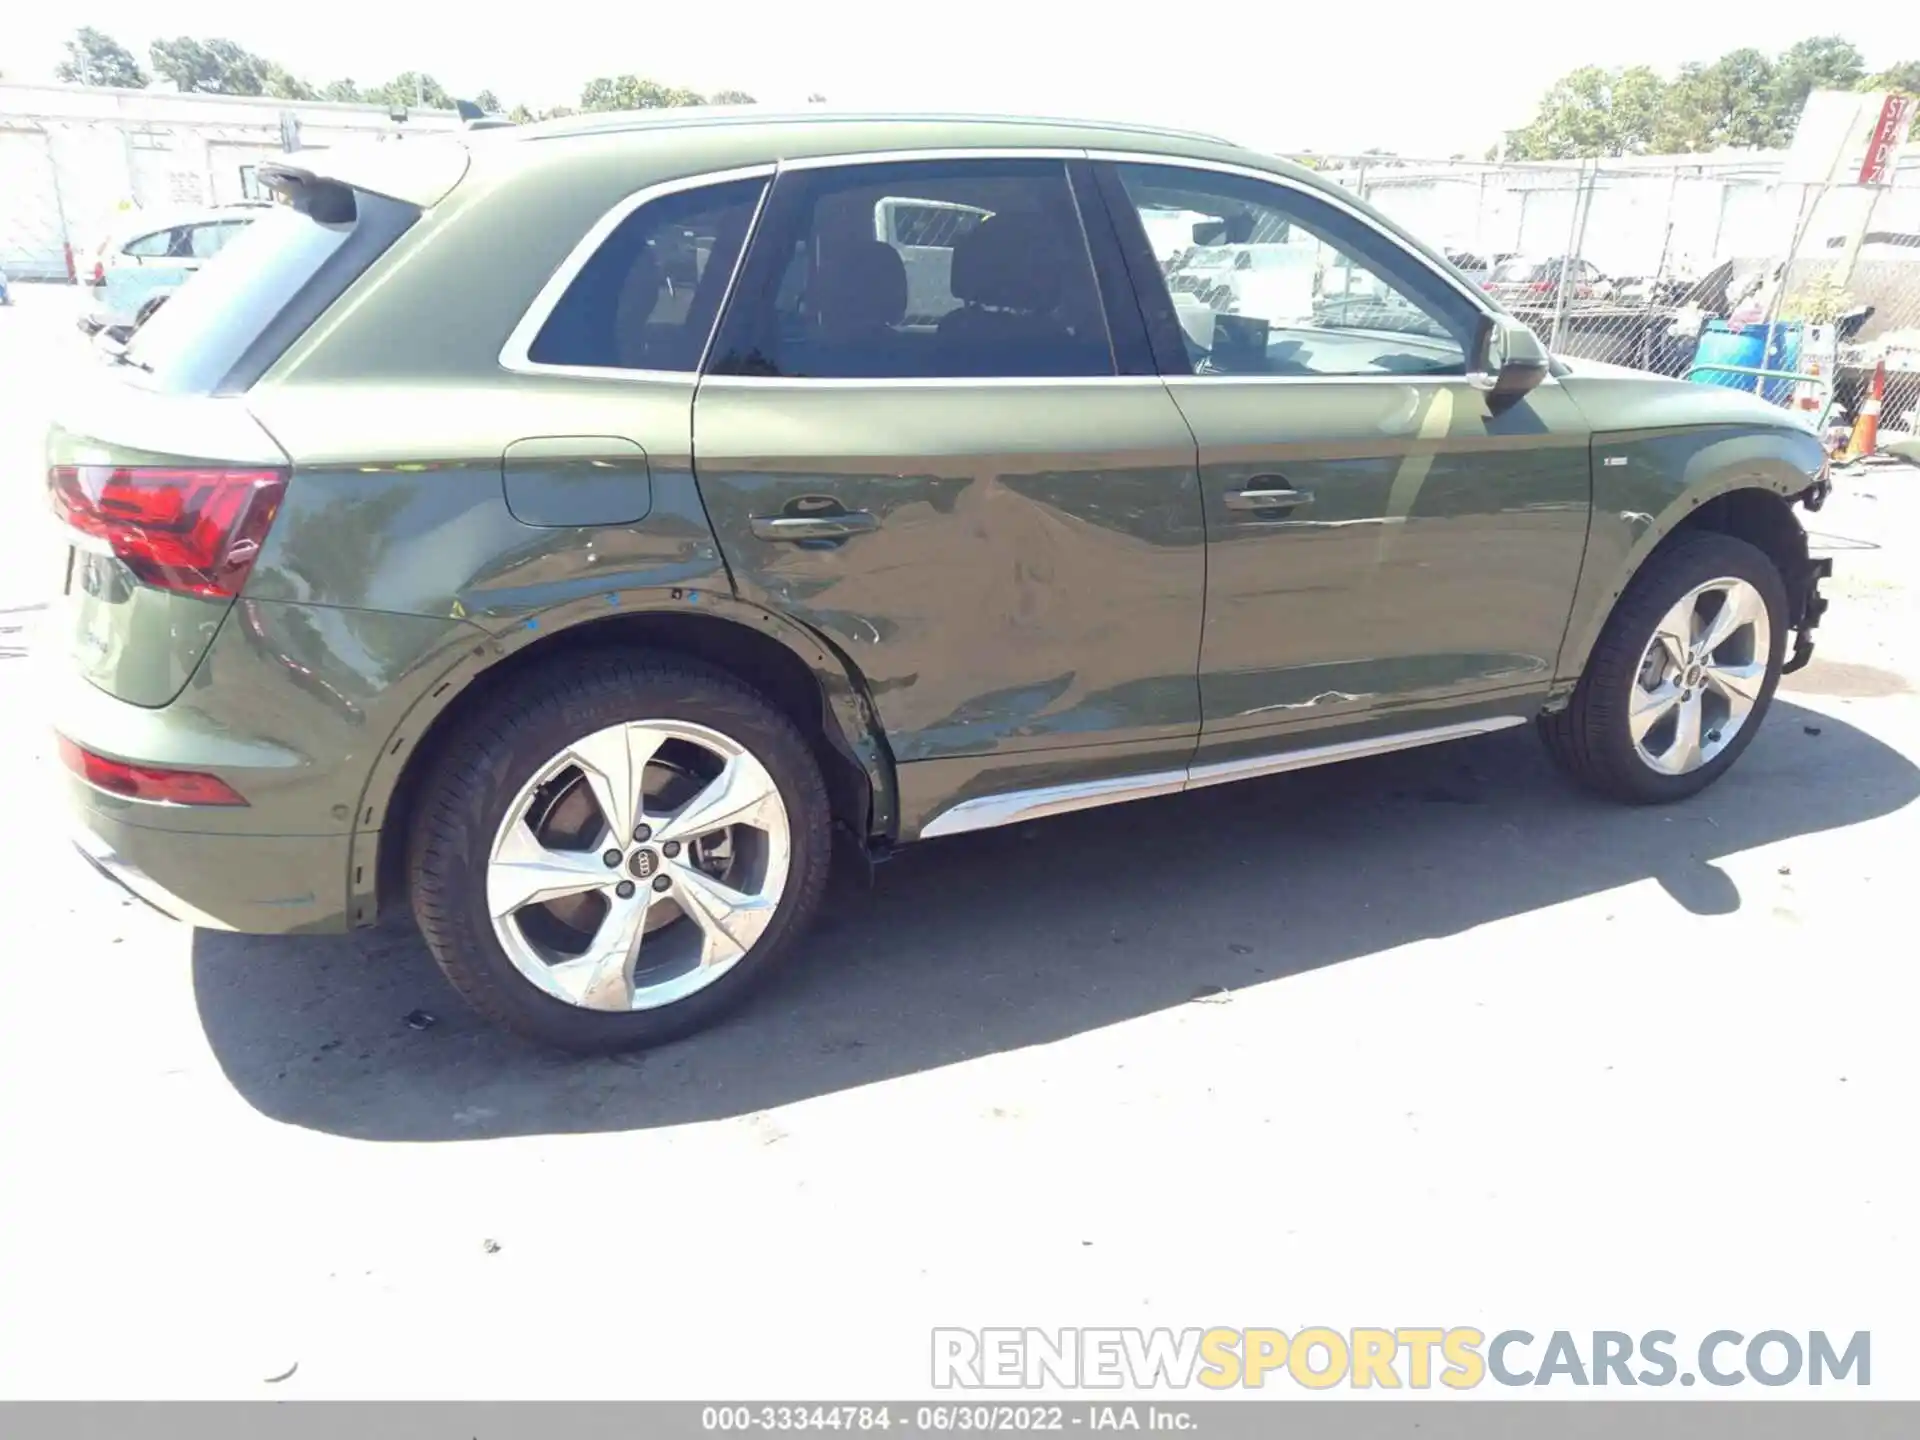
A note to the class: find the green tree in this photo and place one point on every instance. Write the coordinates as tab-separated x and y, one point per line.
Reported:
1743	100
209	67
1825	62
1690	116
632	92
1904	77
1745	80
95	58
520	115
343	90
489	103
410	90
282	85
1594	112
731	97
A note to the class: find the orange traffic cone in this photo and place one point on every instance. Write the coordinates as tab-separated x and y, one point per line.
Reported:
1866	430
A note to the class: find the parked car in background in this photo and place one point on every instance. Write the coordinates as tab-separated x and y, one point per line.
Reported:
1523	280
1473	267
6	289
568	532
148	257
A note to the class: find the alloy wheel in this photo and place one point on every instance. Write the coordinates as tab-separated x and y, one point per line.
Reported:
1700	676
638	865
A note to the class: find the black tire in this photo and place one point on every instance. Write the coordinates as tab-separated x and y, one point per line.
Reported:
1590	738
498	750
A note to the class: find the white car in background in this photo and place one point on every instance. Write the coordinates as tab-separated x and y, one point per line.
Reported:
149	256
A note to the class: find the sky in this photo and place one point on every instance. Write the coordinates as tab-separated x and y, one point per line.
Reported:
1425	80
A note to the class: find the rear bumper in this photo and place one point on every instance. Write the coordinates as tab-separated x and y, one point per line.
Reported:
255	884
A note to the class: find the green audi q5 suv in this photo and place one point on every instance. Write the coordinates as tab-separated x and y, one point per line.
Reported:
566	531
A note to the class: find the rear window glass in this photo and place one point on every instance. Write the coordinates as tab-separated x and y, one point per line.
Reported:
262	289
648	297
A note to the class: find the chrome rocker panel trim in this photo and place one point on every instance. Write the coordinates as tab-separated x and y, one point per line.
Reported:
989	811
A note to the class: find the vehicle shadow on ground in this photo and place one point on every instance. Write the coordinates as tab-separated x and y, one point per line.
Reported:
987	943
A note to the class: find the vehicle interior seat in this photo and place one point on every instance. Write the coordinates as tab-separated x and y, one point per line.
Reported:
857	299
1012	277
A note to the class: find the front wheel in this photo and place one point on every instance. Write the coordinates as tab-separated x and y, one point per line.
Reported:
616	851
1681	676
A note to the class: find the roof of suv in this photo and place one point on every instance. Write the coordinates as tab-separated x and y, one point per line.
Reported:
624	149
760	117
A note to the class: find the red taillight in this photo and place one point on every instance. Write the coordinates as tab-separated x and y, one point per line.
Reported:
195	532
1540	287
144	782
99	272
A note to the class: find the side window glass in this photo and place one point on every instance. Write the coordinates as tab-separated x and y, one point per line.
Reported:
648	296
207	240
931	269
1266	280
149	247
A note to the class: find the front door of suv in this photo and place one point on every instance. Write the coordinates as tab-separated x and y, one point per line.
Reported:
1381	543
913	435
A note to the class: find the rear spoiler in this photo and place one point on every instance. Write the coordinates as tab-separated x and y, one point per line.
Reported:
478	119
421	171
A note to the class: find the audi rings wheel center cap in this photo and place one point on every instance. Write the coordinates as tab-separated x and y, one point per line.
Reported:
642	865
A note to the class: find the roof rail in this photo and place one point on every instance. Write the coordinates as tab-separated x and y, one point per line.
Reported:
615	121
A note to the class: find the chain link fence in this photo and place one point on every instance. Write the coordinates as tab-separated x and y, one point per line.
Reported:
1672	263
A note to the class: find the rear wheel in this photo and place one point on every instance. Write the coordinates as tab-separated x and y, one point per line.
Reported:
615	854
1681	676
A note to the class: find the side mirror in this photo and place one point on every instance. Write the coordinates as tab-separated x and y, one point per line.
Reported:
1507	362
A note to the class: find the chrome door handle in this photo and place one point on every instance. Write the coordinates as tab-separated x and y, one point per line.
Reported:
814	527
1278	498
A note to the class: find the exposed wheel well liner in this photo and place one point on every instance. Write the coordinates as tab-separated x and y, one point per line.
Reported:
1765	520
751	655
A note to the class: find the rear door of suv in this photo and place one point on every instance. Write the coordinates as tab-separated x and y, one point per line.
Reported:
965	474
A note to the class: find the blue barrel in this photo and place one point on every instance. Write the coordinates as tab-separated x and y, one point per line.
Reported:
1765	347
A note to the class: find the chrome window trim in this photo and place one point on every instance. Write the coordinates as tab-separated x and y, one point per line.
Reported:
987	812
513	354
918	382
961	152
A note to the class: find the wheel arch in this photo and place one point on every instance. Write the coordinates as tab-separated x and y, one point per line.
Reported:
1650	491
797	670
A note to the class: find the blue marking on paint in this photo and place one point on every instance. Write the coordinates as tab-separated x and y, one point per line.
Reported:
613	598
533	624
693	597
